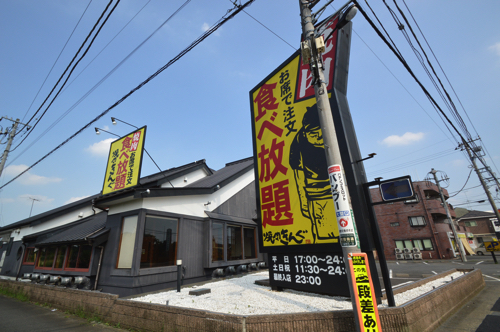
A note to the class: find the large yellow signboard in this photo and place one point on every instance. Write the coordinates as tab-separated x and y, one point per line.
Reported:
295	199
124	162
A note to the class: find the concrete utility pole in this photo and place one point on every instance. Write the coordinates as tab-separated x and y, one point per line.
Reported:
457	240
330	142
483	183
9	144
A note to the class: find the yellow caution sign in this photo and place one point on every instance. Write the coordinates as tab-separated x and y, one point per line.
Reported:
492	246
364	293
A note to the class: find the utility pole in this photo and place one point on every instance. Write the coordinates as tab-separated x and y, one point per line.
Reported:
457	240
9	144
330	142
483	183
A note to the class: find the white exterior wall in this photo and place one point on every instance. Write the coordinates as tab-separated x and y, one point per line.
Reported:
183	181
56	222
193	205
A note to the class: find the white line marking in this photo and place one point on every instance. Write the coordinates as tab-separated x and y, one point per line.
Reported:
425	263
397	263
457	263
491	277
479	262
434	272
390	274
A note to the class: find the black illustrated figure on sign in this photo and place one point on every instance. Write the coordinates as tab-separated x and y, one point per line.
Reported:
308	161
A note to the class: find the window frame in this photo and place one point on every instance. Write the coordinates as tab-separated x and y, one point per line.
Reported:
411	223
469	223
422	242
39	256
143	226
226	262
26	256
80	246
137	224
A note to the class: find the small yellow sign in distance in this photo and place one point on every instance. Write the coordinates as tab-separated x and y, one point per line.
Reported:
364	293
492	246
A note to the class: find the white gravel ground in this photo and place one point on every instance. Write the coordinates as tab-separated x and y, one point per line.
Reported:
243	297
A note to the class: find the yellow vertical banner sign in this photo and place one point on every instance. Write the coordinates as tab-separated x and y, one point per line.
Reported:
124	162
294	196
369	320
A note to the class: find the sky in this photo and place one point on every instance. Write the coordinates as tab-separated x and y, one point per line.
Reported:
199	108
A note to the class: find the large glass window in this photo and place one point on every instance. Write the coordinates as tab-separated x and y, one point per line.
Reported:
46	257
159	243
79	257
127	242
29	257
217	241
249	240
234	245
61	253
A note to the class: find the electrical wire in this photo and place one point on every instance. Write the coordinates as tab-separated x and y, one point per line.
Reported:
468	177
98	83
71	67
207	33
57	59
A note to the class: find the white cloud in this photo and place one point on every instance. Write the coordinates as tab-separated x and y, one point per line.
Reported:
100	148
39	199
407	139
205	27
495	48
29	178
74	199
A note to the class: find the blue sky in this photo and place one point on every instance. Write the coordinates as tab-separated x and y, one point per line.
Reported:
199	107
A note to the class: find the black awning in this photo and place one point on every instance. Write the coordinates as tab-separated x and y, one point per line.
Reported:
86	231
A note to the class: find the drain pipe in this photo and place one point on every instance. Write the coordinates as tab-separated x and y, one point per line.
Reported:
21	261
99	267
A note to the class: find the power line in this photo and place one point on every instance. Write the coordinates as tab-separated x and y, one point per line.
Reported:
207	33
50	71
71	67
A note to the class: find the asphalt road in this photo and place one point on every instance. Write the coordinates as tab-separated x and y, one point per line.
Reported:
17	316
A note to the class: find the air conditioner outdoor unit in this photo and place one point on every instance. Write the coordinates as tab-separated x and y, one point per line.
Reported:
397	250
400	256
416	250
406	251
417	256
408	256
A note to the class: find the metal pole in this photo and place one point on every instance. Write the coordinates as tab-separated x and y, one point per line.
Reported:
330	142
179	274
485	187
457	240
9	143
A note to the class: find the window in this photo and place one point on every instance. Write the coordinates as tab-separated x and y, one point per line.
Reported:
61	253
249	241
217	241
422	244
127	242
395	224
46	257
159	244
428	244
29	256
417	221
470	223
79	257
234	245
413	200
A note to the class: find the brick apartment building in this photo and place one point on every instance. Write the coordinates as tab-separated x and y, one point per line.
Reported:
419	223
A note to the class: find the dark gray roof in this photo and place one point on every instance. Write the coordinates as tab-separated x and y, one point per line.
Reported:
224	175
163	176
478	214
39	218
81	232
